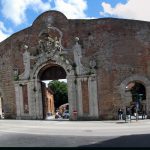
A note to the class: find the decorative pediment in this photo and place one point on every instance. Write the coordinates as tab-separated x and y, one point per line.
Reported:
50	49
50	40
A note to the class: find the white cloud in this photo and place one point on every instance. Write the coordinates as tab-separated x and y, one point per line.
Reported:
133	9
3	35
73	9
4	32
15	10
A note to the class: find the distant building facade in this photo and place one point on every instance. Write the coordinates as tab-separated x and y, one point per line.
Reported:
100	58
49	102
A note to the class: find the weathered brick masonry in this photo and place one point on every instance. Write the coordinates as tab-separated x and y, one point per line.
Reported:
114	53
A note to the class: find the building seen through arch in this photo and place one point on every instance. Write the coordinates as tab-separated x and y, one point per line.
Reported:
51	100
99	58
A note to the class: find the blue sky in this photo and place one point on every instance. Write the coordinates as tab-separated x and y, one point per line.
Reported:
16	15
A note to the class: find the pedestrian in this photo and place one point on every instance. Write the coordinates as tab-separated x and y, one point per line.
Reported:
143	113
128	113
120	113
135	111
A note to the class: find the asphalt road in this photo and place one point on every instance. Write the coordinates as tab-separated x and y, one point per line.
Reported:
25	133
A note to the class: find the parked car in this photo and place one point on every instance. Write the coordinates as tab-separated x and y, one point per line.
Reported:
66	114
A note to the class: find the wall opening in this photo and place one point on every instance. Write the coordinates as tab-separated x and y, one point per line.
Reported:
138	97
54	92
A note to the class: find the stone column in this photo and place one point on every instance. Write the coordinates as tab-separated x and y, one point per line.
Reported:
38	100
93	103
21	98
72	95
32	97
79	98
18	101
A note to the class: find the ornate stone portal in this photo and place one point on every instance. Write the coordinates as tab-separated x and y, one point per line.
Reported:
51	52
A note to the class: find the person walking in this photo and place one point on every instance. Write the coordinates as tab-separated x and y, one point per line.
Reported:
120	113
128	113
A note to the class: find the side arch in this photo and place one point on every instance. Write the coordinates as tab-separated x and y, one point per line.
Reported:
139	78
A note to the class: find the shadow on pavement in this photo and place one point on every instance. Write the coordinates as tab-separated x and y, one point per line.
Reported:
121	122
142	140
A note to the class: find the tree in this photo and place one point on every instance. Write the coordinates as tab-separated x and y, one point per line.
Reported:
60	92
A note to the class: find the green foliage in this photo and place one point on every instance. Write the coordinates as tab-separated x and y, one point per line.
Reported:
60	92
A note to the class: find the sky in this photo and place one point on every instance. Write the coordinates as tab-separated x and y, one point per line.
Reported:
16	15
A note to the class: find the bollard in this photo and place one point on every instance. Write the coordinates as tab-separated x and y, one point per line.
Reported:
74	115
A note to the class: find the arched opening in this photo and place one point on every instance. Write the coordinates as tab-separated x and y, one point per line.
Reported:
54	91
138	98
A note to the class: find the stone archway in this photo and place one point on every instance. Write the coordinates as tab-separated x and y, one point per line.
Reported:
29	93
70	82
50	100
80	87
125	96
81	80
28	87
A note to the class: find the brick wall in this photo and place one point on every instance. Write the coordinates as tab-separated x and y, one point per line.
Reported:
120	47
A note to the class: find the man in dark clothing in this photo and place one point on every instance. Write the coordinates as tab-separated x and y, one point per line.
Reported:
128	113
120	112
